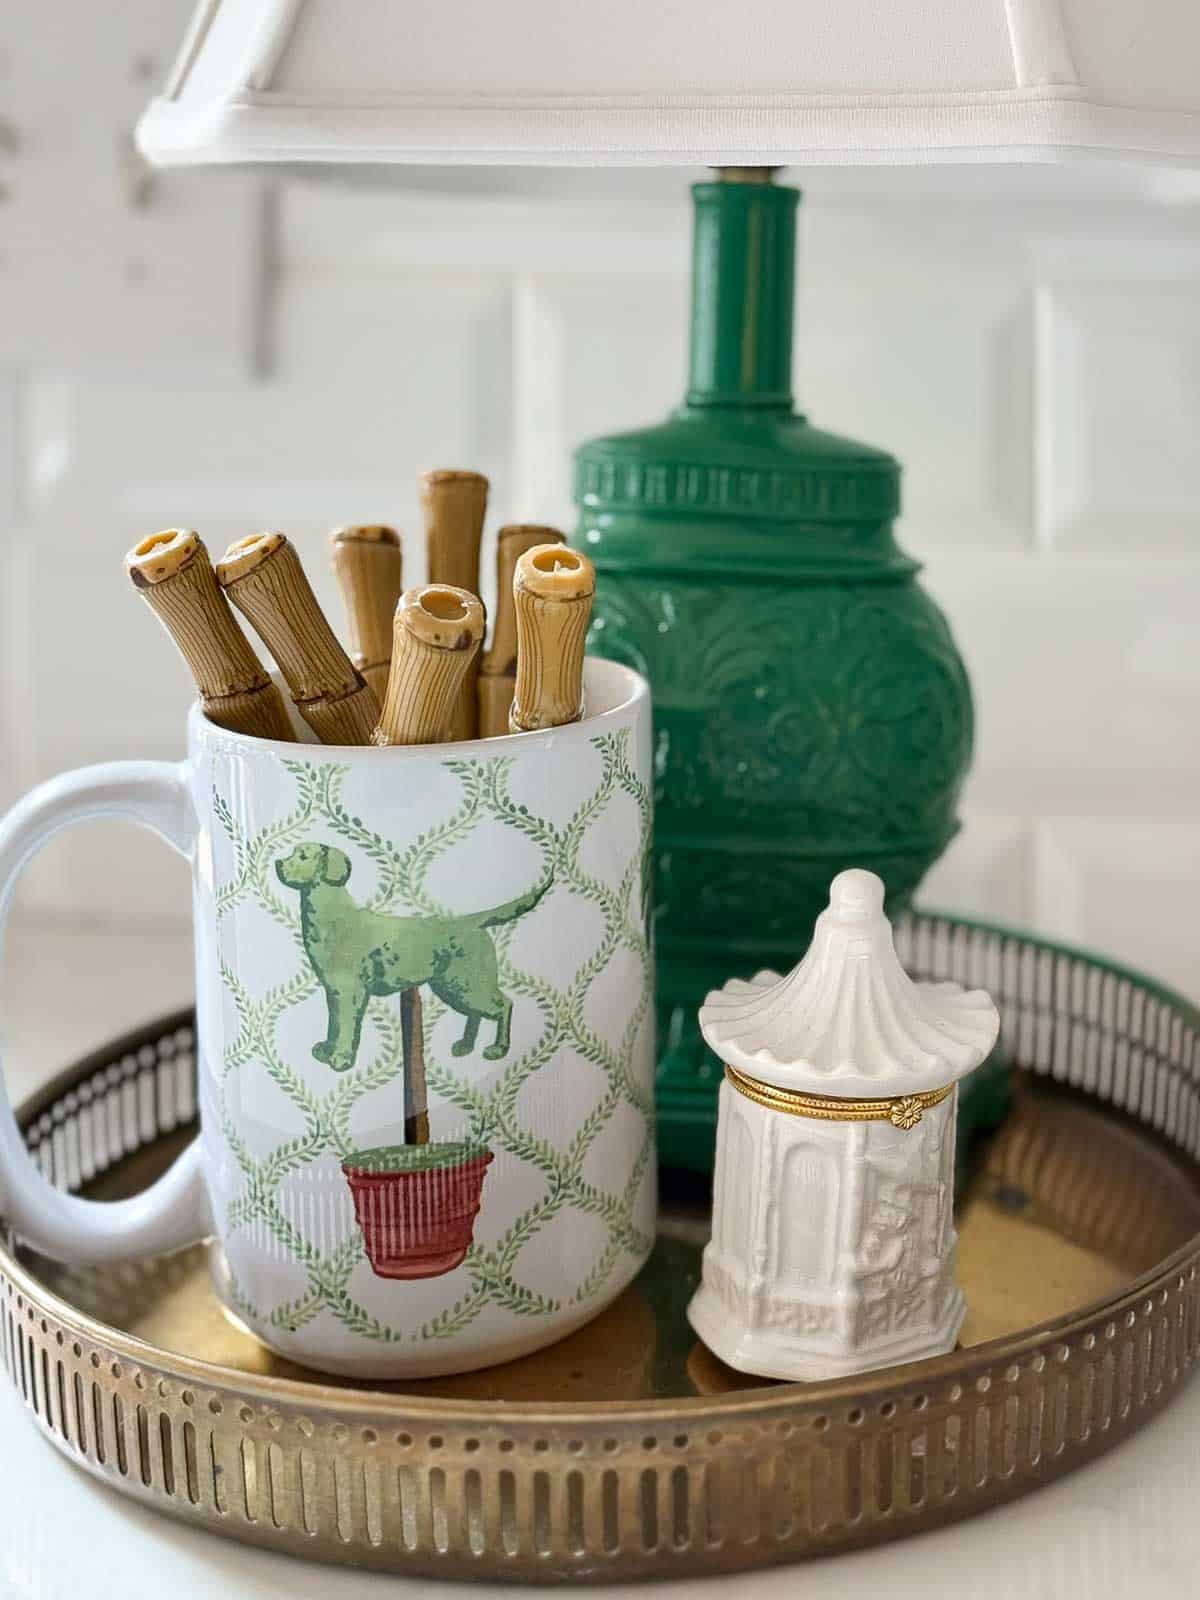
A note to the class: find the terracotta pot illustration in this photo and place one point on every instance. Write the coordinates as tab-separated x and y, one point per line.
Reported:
416	1205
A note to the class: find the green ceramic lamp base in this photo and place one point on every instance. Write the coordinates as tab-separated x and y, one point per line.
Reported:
811	711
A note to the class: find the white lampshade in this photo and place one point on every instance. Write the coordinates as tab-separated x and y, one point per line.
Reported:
682	82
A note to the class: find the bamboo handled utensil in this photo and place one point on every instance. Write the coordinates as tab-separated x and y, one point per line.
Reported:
172	572
498	666
263	577
367	561
453	504
436	634
435	639
553	590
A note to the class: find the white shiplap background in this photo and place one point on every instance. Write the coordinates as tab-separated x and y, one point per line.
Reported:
230	353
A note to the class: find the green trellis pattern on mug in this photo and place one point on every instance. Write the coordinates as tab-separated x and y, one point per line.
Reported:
492	1113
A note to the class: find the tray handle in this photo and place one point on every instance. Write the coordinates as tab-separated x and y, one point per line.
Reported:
175	1210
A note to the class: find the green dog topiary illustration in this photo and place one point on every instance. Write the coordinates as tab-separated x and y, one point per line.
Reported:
356	953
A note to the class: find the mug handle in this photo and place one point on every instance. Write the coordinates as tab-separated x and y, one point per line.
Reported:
175	1210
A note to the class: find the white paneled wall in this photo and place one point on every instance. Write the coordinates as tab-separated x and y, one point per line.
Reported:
1118	322
226	354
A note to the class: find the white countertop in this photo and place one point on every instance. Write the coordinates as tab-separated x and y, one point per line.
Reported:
1127	1526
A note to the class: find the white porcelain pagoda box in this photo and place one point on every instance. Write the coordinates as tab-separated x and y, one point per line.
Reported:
833	1240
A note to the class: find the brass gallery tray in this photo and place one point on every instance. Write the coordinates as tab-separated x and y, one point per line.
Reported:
627	1450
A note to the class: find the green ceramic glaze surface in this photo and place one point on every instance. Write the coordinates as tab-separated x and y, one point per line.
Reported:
811	709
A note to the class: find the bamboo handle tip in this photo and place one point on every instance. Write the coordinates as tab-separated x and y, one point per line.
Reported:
527	534
555	572
442	616
453	505
437	477
245	556
161	555
365	533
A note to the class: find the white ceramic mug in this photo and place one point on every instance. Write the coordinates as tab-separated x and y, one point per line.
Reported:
504	884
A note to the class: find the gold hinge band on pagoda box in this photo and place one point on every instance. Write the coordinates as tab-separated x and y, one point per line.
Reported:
902	1111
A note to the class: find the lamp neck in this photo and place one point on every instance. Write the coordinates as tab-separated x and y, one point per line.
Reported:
743	284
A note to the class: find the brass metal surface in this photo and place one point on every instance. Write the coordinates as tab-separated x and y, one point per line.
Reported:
902	1111
628	1449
